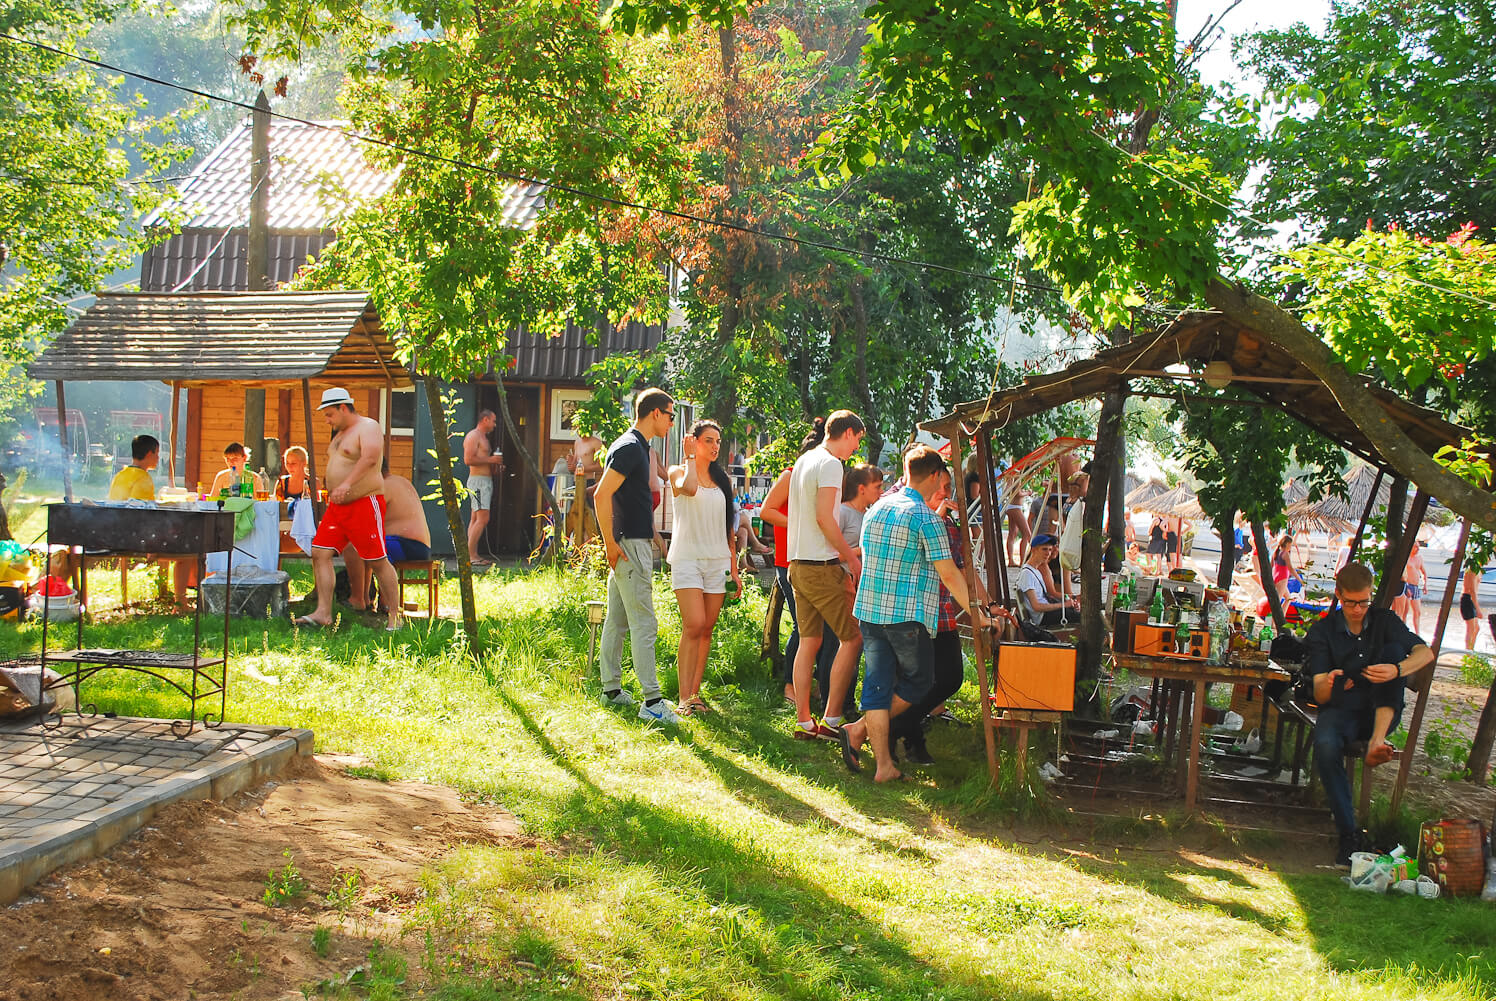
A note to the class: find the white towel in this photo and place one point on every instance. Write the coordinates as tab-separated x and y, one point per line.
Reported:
303	524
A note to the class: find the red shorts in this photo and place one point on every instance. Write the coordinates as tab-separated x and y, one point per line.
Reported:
359	524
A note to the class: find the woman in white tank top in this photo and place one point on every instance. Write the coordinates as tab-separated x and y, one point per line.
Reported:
702	556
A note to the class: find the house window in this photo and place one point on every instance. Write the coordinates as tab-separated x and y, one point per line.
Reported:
402	412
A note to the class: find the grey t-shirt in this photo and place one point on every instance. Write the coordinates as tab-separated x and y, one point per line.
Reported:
849	520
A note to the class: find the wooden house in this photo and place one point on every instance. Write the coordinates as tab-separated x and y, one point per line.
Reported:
308	163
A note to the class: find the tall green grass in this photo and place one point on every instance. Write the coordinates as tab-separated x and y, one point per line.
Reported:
721	859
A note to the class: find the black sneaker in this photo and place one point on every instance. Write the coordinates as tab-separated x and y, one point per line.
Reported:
1347	845
916	752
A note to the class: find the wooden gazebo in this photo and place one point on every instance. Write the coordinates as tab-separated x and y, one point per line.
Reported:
1199	347
250	340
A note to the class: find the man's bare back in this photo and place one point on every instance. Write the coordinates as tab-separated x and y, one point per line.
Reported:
353	459
403	514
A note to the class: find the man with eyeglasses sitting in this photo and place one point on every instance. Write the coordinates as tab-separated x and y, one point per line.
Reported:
1358	657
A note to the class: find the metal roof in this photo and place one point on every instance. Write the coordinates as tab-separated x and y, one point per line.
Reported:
315	170
311	167
567	357
255	338
197	260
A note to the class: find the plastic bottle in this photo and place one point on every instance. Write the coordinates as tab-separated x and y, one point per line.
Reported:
1220	633
1265	638
733	594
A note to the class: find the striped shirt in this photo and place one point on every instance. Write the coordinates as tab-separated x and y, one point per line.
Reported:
901	541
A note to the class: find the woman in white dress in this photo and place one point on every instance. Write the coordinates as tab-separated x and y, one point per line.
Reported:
702	554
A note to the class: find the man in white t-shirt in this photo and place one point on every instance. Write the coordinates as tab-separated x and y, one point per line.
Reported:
817	552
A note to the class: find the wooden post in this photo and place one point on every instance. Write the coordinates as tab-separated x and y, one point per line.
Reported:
62	439
1397	561
978	636
1416	723
997	570
1371	502
311	447
171	457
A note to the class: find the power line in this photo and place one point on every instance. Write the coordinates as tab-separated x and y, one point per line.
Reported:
551	185
1242	214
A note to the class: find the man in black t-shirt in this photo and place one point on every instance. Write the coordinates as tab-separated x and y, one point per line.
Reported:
625	517
1358	657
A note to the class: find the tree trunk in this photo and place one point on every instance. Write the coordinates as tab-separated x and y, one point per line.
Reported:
1283	329
1228	553
1397	504
1265	574
1479	760
864	390
1094	537
441	433
4	518
531	465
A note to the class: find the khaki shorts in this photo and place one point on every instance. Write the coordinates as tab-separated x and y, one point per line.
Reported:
821	598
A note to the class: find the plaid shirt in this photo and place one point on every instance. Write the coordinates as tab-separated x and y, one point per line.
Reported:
901	540
948	607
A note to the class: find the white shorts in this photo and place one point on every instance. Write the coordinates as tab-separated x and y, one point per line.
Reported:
706	576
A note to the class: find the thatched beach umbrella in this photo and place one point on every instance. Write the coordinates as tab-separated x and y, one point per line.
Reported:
1344	513
1140	495
1177	503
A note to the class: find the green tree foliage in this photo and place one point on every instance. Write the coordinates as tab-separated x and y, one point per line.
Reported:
68	202
1387	115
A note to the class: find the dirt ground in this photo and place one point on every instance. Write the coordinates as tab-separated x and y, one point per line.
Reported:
175	912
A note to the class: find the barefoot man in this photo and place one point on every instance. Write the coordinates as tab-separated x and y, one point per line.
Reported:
355	509
483	465
1358	657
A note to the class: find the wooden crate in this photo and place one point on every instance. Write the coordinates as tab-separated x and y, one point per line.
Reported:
1034	676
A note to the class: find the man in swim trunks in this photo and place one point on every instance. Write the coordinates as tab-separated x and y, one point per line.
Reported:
355	509
407	537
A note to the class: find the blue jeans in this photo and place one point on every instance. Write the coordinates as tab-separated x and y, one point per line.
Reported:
829	643
899	661
1335	729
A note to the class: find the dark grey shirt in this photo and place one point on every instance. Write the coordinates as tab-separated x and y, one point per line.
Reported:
633	507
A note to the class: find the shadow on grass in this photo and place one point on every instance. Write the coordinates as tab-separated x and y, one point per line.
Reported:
775	932
1357	931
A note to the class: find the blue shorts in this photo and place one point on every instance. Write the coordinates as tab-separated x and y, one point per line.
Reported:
406	550
1413	591
900	661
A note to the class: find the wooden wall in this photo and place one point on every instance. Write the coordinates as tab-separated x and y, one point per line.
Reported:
215	417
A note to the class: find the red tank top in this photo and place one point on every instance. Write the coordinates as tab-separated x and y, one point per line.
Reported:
782	539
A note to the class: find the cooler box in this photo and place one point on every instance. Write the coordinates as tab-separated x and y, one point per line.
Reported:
1038	676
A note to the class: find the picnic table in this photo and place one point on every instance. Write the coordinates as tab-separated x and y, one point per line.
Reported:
1192	675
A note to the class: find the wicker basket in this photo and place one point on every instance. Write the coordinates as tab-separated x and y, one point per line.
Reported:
1453	852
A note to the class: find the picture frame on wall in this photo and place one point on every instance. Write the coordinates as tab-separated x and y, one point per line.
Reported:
564	403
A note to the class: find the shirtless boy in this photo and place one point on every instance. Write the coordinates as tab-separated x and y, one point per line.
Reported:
355	509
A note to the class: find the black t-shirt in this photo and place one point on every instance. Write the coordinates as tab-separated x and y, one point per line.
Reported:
633	507
1384	639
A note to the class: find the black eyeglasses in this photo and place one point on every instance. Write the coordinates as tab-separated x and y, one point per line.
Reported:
670	414
1355	602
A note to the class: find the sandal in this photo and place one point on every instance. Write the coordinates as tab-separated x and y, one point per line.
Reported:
698	705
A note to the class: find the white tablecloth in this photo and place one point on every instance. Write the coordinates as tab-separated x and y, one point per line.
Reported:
260	547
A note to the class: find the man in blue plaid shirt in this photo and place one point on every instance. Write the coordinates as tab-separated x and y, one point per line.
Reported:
905	558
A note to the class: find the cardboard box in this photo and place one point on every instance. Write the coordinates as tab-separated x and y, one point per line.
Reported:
1034	676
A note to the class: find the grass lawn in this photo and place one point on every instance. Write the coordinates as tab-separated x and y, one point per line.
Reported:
723	860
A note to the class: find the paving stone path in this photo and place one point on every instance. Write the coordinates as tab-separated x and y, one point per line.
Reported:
76	791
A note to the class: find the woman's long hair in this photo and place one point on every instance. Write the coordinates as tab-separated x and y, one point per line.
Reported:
816	436
719	475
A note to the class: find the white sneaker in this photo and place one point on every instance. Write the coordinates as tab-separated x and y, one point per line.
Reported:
660	712
622	699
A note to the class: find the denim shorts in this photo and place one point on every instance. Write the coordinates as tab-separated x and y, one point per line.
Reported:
900	661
